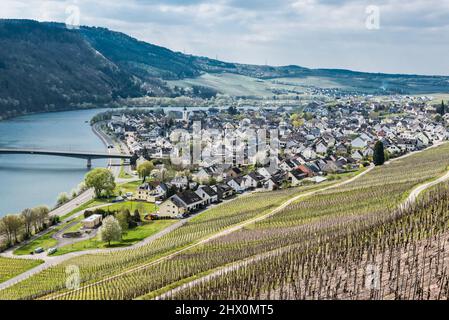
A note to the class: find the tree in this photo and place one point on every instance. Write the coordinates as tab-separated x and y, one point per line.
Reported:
110	230
124	219
133	160
136	217
379	154
145	153
101	180
40	217
28	221
296	120
441	110
54	220
10	227
145	169
62	198
233	111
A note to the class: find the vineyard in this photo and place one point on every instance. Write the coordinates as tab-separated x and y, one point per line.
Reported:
95	267
403	255
313	248
9	268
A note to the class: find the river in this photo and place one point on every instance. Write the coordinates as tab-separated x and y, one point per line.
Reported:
27	181
31	180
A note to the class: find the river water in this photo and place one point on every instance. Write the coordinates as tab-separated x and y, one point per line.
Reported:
31	180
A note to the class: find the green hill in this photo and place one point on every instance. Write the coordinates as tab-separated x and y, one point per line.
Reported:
47	67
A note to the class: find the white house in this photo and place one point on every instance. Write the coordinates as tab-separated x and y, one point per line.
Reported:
180	204
208	194
357	155
295	177
321	148
358	143
253	180
238	184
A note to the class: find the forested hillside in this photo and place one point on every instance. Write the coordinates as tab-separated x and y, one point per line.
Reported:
47	67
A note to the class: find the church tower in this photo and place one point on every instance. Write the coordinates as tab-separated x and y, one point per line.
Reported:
185	115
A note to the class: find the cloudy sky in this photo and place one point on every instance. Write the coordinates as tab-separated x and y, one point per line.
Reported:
395	36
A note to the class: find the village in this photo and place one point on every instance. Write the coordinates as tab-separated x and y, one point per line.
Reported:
316	143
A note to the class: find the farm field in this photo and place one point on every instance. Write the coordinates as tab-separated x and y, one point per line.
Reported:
9	268
98	266
302	225
402	257
362	202
232	84
300	236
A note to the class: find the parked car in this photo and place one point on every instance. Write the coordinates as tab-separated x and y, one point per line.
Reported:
39	250
51	251
118	199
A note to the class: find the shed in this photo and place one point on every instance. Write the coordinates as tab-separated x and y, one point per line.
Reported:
92	222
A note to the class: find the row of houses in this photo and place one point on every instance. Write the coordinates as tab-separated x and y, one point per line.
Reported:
187	201
348	129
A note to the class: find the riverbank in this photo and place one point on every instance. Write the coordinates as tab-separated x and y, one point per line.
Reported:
65	109
32	180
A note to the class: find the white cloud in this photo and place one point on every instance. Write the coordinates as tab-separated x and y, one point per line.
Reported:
314	33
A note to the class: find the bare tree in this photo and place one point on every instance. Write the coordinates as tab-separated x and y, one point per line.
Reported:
11	226
41	215
28	221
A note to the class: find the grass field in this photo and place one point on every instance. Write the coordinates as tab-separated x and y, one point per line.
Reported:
46	241
9	268
131	237
128	187
123	174
232	84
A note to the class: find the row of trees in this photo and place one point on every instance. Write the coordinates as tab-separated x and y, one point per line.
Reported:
15	228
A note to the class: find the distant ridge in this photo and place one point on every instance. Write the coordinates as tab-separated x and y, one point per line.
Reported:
47	67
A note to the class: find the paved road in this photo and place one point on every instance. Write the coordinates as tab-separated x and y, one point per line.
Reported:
73	204
114	164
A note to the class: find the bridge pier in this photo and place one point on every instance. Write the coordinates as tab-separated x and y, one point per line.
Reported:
89	163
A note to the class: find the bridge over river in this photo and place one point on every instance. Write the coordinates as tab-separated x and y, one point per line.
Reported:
87	155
